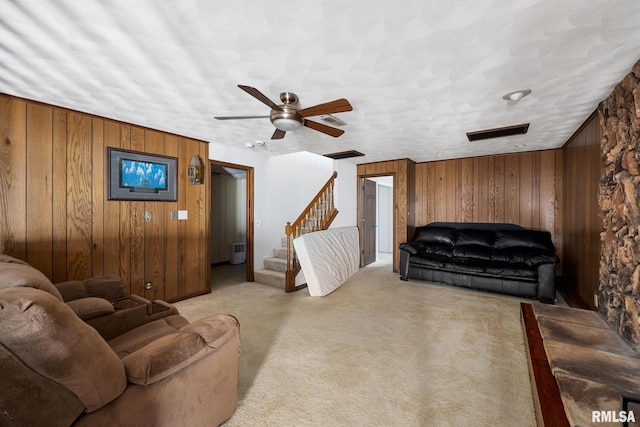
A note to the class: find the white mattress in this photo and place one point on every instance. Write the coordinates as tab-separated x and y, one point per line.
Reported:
328	258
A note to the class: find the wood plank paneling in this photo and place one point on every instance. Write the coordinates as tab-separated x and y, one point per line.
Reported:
13	181
55	211
517	188
39	188
79	194
99	178
579	174
59	219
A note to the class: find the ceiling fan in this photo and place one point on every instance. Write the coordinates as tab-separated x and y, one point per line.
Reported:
289	116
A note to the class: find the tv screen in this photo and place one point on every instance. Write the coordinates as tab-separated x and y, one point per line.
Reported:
143	175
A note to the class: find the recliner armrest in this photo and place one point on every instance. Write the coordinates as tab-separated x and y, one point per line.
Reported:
91	307
129	313
171	353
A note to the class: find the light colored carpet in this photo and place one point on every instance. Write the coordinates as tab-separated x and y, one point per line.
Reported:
376	352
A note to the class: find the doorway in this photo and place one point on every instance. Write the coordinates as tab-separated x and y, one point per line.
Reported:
376	219
231	223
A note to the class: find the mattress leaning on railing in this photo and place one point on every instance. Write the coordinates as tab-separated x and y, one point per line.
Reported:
328	258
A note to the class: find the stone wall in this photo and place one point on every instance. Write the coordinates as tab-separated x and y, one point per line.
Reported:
619	198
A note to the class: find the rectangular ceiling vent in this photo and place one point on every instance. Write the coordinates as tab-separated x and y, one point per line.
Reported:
498	132
334	121
344	155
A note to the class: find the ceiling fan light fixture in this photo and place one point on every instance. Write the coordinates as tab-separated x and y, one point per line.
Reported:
516	95
286	124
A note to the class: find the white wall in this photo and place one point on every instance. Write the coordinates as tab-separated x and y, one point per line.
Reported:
284	185
346	194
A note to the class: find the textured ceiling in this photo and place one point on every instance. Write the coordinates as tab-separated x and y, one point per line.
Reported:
418	73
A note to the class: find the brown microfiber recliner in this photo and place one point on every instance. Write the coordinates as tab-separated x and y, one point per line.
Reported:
57	370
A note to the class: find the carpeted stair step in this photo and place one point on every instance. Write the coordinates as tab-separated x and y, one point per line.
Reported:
276	264
270	277
281	253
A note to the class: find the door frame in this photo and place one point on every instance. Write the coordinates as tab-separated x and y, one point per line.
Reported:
360	209
249	213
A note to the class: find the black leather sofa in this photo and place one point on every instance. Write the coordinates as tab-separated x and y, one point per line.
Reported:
503	258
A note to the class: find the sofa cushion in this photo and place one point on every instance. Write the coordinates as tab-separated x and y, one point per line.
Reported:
439	235
467	265
49	338
511	270
470	236
429	260
524	255
472	251
524	238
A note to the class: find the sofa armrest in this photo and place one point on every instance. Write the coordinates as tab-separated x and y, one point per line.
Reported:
171	353
91	307
403	269
547	282
412	247
109	287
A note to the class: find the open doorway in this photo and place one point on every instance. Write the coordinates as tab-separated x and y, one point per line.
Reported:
376	219
231	224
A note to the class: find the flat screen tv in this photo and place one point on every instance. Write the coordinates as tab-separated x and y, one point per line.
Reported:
141	176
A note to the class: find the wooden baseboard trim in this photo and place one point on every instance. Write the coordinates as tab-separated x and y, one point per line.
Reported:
546	394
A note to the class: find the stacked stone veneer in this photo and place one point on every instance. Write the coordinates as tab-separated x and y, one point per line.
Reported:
619	200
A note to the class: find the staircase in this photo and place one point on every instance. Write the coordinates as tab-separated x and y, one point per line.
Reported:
275	267
281	270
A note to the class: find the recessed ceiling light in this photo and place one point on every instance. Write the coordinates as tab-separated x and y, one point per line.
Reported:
516	95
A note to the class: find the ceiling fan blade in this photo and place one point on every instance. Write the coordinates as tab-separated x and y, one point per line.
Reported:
241	117
337	106
260	97
323	128
278	134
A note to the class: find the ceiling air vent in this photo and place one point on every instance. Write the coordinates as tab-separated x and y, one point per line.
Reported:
344	155
334	121
498	132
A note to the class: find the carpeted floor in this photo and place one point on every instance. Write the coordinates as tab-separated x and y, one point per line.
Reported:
376	352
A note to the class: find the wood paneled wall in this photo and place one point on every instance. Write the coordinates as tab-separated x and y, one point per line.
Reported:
55	214
403	197
582	168
523	189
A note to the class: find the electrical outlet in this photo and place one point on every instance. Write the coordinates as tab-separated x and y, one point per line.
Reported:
147	286
595	300
147	216
174	215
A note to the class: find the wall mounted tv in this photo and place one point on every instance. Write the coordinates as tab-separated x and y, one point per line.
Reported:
141	176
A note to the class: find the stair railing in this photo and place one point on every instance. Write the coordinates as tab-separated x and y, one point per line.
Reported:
318	215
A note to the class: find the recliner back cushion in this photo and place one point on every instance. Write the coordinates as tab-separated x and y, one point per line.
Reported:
438	235
20	274
524	238
49	338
